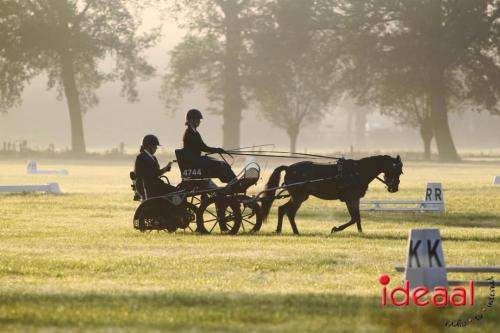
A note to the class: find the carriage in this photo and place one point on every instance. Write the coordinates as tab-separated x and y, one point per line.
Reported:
198	205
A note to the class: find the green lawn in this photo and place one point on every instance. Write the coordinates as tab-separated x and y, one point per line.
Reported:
73	262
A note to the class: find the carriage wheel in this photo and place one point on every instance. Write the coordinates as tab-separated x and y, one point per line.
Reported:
151	215
251	217
196	199
219	215
188	222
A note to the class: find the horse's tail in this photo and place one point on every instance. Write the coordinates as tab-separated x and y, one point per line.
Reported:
268	197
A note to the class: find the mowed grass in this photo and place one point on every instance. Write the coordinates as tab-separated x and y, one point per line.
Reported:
73	262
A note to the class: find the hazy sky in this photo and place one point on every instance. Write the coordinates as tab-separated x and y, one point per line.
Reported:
42	119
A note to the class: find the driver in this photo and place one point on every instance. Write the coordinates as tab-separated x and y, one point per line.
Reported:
148	169
194	145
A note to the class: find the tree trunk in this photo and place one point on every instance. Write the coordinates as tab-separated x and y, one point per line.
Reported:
427	148
349	125
293	134
427	135
360	127
439	116
73	101
232	100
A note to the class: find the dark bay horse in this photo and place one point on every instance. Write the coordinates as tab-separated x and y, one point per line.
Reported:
347	181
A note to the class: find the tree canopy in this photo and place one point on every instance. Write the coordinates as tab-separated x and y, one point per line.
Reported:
445	49
68	40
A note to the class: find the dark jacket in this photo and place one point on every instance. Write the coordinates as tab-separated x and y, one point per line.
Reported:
147	169
194	145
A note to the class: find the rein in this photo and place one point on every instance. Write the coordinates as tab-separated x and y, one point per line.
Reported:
383	181
267	153
244	148
230	155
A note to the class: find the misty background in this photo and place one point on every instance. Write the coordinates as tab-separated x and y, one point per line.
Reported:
42	119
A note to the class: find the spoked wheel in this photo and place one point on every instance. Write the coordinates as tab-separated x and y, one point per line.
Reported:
196	199
219	215
188	221
251	216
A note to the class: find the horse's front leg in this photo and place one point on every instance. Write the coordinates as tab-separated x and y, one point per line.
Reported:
342	227
352	211
356	214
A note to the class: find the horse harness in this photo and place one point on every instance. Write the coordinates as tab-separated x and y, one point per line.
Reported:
346	179
347	172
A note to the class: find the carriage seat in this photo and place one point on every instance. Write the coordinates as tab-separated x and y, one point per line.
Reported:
194	177
137	187
190	169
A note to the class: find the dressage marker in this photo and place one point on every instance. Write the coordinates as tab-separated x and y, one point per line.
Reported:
433	202
51	188
32	169
496	181
425	265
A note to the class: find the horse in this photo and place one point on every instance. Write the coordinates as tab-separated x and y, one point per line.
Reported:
347	181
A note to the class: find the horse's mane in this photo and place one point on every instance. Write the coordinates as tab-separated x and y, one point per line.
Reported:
367	160
374	157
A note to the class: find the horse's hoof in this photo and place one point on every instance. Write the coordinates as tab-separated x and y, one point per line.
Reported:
277	233
334	230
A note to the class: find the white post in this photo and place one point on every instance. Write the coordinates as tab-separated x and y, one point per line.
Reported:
434	197
31	167
425	264
54	188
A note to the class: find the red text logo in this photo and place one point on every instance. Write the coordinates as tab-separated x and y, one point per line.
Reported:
457	296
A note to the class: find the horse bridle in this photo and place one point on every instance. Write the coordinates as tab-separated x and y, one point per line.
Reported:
387	183
383	181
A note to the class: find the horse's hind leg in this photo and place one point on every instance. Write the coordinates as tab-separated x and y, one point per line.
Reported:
281	213
292	210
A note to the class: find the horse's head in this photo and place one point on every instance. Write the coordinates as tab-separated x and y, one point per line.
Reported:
392	171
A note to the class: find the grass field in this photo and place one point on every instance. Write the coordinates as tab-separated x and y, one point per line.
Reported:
73	262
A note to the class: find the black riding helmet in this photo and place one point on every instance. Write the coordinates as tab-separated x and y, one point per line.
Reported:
193	114
150	139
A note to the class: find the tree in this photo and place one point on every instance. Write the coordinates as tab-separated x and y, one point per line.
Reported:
401	95
289	80
449	48
67	40
13	69
212	56
413	111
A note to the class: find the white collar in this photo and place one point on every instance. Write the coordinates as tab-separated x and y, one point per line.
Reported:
149	154
194	129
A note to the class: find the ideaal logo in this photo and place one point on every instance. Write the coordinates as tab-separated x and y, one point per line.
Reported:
457	297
